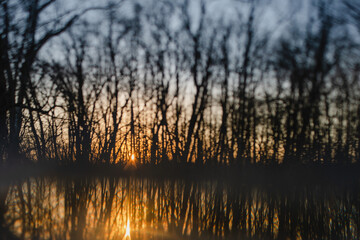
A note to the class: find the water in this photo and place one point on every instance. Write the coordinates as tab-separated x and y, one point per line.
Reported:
101	208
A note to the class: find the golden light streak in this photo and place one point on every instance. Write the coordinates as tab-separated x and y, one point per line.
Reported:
127	232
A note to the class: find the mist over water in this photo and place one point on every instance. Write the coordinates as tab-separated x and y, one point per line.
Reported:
99	208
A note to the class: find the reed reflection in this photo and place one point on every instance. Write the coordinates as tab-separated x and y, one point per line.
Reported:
110	208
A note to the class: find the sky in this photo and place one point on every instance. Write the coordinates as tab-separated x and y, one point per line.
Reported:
273	17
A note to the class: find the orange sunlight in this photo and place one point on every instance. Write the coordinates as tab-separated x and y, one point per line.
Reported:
127	233
132	157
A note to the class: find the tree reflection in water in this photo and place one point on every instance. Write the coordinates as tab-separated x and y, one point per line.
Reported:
44	208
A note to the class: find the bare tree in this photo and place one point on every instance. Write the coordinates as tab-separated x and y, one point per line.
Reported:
21	41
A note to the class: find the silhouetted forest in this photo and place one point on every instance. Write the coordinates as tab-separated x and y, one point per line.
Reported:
180	82
182	119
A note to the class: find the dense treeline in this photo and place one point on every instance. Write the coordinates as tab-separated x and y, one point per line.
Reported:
179	82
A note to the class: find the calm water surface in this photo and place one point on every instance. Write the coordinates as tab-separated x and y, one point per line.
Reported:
102	208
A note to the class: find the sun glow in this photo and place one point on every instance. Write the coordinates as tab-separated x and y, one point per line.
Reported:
132	157
127	232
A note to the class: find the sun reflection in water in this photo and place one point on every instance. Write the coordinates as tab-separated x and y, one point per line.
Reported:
155	209
127	232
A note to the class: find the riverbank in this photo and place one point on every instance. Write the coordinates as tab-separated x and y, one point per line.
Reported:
253	174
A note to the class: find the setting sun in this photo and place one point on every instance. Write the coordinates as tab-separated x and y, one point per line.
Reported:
194	119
